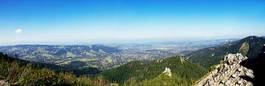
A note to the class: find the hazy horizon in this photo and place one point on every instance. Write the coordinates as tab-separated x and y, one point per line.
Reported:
92	21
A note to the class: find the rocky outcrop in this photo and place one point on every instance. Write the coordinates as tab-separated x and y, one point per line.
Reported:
167	72
228	73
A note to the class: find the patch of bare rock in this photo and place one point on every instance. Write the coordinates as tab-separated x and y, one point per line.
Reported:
228	73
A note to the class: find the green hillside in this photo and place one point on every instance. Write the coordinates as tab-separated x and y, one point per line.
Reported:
23	73
143	72
249	46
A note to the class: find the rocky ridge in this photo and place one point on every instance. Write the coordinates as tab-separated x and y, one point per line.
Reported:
228	73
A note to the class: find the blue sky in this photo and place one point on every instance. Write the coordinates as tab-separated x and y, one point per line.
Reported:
46	21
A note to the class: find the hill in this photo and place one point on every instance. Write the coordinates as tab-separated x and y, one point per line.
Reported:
250	46
72	68
24	73
134	73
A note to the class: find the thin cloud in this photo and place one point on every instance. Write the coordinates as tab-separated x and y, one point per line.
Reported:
18	31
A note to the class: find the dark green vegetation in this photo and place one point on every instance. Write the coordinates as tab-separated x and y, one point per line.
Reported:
24	73
249	46
151	72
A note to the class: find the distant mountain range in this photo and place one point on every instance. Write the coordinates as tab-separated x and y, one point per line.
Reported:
96	55
103	56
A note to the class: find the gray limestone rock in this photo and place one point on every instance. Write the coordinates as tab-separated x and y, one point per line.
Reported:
228	73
